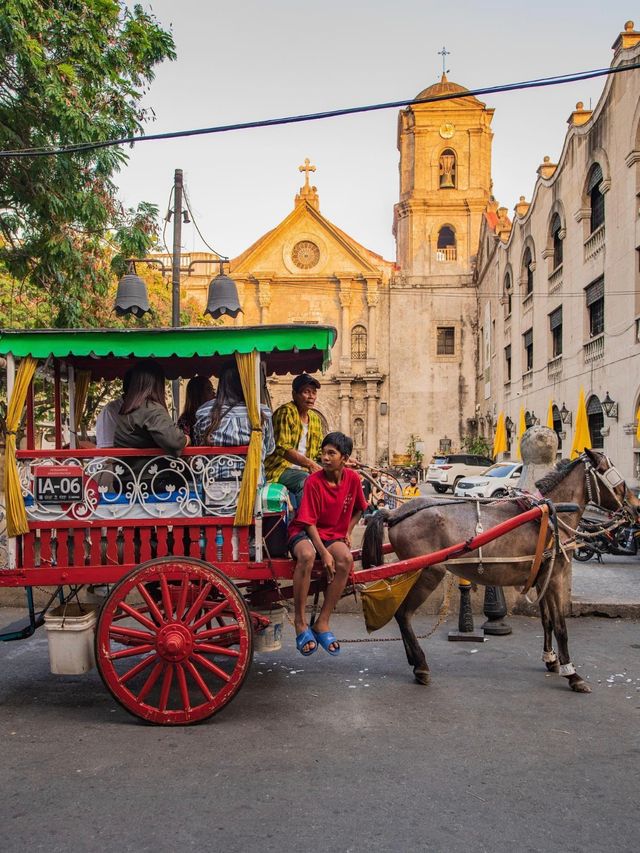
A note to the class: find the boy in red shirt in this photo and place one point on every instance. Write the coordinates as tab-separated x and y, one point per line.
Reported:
331	506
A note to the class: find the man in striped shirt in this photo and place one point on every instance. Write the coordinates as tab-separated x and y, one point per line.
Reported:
298	436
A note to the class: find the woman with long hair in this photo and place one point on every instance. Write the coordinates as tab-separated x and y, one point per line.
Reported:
224	421
199	391
144	420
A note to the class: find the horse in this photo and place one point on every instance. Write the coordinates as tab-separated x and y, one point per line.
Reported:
425	525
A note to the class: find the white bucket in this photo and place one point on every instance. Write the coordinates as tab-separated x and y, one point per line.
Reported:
70	630
270	640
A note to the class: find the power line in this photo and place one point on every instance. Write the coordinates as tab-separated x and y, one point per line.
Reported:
297	119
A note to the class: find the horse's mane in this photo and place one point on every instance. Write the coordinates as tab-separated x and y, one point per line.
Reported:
562	469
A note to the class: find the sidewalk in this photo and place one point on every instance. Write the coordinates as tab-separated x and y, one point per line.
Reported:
610	588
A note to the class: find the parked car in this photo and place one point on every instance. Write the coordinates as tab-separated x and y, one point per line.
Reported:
493	483
446	470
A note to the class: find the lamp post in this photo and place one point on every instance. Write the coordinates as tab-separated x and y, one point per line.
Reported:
132	295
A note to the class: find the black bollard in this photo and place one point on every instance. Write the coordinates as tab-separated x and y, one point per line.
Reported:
466	632
495	609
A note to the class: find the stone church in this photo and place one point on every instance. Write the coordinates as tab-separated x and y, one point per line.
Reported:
404	362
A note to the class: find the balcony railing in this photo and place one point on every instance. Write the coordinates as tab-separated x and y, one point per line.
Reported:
527	380
593	350
554	368
594	243
555	279
527	303
449	253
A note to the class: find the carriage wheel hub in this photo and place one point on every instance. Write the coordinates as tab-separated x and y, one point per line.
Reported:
175	642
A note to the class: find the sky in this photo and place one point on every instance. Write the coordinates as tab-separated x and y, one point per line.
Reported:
242	60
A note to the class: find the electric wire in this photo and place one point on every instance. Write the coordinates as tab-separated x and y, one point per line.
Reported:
195	225
344	111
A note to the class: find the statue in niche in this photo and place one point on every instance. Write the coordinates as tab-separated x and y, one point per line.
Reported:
358	432
447	169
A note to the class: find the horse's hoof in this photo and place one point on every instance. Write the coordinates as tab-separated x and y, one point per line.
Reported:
580	686
422	676
552	666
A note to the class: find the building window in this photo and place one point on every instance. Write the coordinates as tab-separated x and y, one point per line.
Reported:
527	339
507	295
446	342
507	363
448	169
446	250
555	326
527	272
595	418
596	198
358	343
595	306
556	228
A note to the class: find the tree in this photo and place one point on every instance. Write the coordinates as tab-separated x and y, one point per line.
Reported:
476	444
71	72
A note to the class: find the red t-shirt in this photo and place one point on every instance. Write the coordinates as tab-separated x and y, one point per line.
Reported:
329	507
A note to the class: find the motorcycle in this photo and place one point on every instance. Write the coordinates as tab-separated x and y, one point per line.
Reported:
622	542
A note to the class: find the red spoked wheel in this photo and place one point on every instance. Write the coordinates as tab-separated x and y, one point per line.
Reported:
174	641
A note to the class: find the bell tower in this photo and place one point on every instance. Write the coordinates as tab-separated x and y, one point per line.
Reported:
445	185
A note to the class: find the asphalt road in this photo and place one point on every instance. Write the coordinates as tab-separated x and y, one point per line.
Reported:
343	754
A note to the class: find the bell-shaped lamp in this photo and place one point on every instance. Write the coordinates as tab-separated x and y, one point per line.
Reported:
223	297
132	297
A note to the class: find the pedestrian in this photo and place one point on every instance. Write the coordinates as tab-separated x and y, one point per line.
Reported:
412	490
298	436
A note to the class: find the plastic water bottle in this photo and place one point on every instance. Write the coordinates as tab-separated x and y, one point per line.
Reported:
219	543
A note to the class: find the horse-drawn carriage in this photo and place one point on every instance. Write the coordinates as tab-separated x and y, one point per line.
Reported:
193	560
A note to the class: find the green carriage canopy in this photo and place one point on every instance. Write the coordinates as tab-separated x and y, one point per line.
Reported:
107	353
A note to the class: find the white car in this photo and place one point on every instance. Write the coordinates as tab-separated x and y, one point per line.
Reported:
494	483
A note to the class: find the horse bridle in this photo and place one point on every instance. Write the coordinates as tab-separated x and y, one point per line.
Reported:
609	479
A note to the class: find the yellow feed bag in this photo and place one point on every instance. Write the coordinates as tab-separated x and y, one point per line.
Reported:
381	599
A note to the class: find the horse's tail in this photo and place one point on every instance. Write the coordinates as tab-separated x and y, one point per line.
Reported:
372	542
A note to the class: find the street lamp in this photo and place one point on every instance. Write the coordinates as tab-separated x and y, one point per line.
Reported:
223	295
565	415
610	407
132	297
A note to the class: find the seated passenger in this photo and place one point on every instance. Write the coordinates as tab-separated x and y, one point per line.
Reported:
332	504
144	420
224	422
298	434
199	391
107	417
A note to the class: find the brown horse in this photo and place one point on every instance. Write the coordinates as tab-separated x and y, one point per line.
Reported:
425	525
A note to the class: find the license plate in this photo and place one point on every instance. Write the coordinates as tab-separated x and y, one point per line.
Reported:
58	484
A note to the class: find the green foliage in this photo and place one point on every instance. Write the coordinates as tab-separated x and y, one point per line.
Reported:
71	72
415	456
476	444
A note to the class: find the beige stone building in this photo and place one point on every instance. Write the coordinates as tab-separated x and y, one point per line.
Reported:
477	314
559	287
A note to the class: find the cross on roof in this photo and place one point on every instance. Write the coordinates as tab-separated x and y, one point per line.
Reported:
306	169
444	53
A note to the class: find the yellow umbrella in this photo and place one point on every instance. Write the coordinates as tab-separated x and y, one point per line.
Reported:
638	428
522	428
550	415
500	438
581	435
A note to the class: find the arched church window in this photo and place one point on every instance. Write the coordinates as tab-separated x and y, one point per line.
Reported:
527	272
595	419
448	169
508	291
556	228
446	250
358	343
596	198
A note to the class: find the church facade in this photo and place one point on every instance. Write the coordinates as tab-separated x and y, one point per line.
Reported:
418	355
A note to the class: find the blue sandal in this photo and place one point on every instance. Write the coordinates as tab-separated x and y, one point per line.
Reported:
303	638
325	639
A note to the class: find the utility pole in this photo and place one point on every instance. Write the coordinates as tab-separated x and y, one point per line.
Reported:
175	274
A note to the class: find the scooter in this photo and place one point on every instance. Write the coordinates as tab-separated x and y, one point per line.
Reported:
622	542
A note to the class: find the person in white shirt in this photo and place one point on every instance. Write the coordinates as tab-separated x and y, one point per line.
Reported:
106	420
